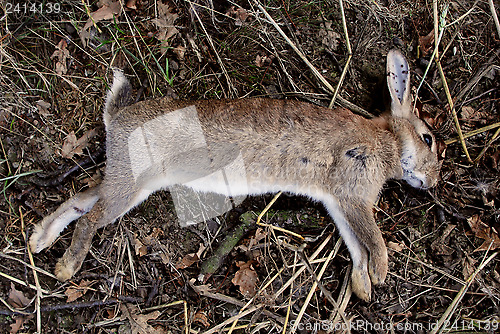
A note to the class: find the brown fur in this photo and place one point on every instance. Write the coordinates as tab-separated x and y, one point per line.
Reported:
332	156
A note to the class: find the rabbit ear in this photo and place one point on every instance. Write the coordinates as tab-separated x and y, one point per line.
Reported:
398	81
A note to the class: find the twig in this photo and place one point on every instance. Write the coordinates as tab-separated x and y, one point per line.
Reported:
313	289
451	309
308	63
268	206
349	55
35	277
18	281
441	28
327	293
485	148
233	319
232	89
495	17
255	297
311	258
77	305
474	133
40	270
231	300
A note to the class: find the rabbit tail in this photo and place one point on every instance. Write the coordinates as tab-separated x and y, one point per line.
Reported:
118	96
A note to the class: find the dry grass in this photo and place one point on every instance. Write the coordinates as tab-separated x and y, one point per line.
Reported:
443	272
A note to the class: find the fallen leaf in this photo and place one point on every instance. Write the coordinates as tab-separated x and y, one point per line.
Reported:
43	107
201	318
426	43
165	23
495	159
140	249
483	231
191	258
469	114
17	299
180	51
201	289
15	327
246	279
108	10
93	180
260	234
62	55
131	4
75	292
72	146
439	246
239	14
398	247
468	266
260	61
329	38
138	322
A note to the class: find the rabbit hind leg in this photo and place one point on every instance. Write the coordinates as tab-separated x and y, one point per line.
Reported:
104	212
46	232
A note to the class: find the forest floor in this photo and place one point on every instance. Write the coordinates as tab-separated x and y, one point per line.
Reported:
142	274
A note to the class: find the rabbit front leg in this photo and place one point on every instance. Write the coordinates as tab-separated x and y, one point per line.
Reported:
359	214
360	279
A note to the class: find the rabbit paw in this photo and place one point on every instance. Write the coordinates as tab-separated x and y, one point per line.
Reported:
38	240
361	284
66	268
378	267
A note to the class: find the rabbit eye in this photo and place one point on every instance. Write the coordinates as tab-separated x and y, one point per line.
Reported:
427	139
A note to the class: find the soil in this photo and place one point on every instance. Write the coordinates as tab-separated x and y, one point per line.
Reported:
144	272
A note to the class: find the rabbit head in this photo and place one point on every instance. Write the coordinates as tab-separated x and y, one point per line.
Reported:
419	158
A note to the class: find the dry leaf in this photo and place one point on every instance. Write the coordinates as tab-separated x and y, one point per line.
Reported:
468	266
189	259
439	245
165	23
246	279
469	114
93	180
329	38
260	234
140	249
72	146
495	159
239	14
138	322
260	61
131	4
43	107
108	10
75	292
17	299
483	231
201	289
62	55
15	327
201	318
426	43
398	247
180	51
